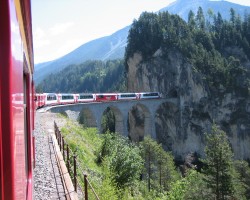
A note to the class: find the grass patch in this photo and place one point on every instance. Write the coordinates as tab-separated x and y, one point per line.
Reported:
84	142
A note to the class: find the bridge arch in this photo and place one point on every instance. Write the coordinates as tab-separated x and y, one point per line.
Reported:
87	117
119	127
139	122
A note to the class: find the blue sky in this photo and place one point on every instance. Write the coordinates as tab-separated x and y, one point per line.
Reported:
60	26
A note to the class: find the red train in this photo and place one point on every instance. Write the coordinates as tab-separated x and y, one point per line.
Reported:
16	100
46	99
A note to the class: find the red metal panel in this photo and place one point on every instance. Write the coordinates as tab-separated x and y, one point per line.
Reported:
106	97
7	182
15	166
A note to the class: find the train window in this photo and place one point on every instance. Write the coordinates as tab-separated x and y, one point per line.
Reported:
128	95
67	97
151	94
51	97
90	96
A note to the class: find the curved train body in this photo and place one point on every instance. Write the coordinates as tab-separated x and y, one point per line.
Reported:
48	99
16	101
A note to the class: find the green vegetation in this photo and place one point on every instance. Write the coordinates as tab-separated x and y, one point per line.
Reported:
120	169
90	76
159	166
216	48
116	165
221	177
219	165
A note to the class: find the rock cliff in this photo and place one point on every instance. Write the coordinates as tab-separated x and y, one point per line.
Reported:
181	128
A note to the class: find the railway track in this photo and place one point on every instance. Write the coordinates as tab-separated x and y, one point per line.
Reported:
47	179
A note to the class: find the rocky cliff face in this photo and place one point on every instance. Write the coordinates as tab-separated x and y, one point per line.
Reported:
181	128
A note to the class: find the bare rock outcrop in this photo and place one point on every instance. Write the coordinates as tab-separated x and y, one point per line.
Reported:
181	128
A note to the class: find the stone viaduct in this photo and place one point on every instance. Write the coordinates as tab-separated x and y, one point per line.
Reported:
93	113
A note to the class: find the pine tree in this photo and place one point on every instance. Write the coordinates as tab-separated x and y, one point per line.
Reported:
166	173
148	151
159	165
200	19
219	164
191	20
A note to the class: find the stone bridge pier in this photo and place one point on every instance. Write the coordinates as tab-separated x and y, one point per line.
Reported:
93	113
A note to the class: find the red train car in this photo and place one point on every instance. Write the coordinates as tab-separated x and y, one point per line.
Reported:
39	100
106	97
16	100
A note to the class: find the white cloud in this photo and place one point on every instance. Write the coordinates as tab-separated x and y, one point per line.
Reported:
40	39
60	28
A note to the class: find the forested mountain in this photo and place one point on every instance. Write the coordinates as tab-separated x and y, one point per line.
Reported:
90	76
217	48
113	46
203	63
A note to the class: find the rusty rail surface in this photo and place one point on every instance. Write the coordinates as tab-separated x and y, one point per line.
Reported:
73	166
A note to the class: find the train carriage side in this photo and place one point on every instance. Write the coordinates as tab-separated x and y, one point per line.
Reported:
66	98
106	96
16	100
149	95
50	99
127	96
82	98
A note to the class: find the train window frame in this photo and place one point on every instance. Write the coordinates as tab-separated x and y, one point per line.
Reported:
128	95
67	97
51	97
152	94
87	96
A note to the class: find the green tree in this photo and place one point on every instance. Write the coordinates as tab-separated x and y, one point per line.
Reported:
166	172
200	19
122	159
159	165
191	20
148	154
125	163
190	187
210	14
232	16
242	167
145	36
218	162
